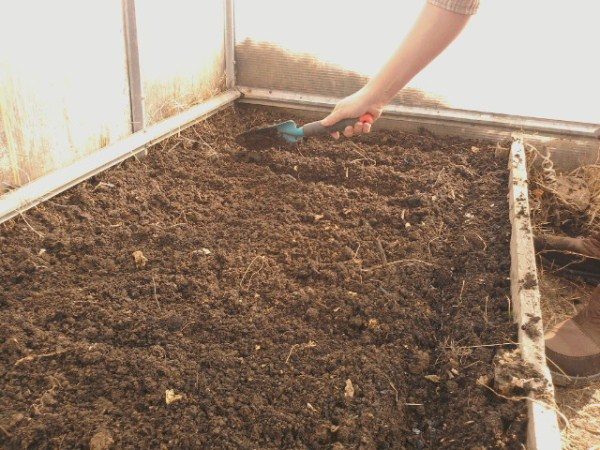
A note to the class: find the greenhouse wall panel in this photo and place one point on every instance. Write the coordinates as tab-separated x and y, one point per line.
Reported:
182	57
63	92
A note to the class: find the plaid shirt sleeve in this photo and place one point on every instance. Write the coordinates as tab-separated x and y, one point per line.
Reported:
467	7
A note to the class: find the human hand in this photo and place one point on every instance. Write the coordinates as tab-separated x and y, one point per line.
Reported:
355	105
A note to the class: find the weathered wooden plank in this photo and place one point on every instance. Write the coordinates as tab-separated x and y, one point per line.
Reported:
543	432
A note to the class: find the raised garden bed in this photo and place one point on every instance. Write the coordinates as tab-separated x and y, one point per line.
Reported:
345	293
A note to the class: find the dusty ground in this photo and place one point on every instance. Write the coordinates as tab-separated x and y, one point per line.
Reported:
334	295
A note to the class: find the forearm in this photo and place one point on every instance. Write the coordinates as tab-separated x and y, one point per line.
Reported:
434	30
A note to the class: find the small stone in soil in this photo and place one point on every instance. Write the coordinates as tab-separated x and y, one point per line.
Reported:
139	258
349	389
172	397
102	440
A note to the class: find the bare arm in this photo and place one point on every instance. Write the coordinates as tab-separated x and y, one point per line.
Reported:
433	31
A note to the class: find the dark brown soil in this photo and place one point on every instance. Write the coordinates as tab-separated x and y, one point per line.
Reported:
265	282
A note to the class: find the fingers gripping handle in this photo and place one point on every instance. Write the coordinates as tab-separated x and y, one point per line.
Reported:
315	128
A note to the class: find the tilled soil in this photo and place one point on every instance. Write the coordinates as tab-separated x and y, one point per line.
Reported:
331	295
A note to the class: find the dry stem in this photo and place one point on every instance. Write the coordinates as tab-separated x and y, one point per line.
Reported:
34	357
400	261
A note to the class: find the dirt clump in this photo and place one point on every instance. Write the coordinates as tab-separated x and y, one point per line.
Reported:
515	377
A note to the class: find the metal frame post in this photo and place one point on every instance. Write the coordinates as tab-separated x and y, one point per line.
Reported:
133	65
229	44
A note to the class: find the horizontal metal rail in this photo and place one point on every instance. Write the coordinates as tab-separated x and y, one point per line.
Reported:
515	123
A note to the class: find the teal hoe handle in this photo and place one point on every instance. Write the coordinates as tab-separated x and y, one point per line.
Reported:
316	129
292	133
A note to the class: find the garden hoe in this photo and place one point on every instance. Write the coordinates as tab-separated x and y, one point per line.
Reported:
289	133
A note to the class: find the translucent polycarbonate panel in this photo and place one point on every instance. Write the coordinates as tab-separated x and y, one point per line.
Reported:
534	58
182	57
63	84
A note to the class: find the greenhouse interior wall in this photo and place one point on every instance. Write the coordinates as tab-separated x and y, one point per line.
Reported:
84	85
69	92
65	93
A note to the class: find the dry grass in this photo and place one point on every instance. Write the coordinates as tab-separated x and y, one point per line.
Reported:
566	201
10	117
165	100
591	176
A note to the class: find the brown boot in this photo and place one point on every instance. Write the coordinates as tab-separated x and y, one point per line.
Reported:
573	346
571	256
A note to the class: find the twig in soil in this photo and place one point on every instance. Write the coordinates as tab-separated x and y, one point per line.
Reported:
193	322
485	316
309	344
395	390
34	357
519	398
563	373
462	288
262	259
471	365
481	239
60	205
154	292
437	180
357	150
393	387
382	289
201	139
179	224
172	148
381	251
400	261
356	252
102	184
429	244
30	227
500	344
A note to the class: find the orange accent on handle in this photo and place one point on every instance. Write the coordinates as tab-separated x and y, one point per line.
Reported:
366	118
